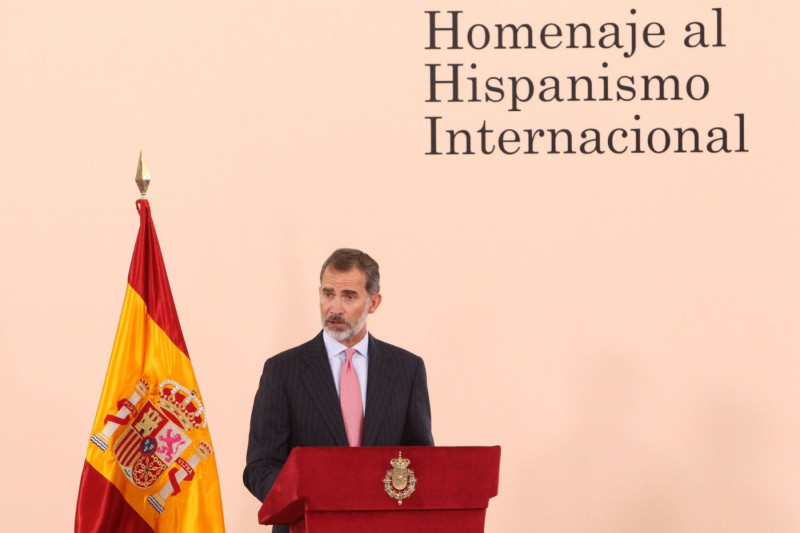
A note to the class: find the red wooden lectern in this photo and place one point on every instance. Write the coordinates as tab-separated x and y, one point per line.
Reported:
326	490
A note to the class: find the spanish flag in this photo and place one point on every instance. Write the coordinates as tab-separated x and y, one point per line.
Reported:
150	465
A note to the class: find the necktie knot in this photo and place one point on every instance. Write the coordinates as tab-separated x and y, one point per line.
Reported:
348	354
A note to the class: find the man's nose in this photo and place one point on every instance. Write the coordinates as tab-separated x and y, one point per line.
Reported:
337	307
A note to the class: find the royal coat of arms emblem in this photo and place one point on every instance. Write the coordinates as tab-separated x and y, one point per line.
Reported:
149	446
155	437
400	482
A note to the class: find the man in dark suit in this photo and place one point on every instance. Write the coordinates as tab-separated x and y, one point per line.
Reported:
344	387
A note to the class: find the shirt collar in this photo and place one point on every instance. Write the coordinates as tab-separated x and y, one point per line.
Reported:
334	347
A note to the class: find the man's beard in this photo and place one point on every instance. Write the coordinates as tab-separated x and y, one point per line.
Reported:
347	329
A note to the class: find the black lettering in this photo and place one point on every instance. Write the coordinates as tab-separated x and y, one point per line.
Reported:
495	89
627	88
646	34
611	145
544	35
695	135
467	142
433	150
483	130
722	140
515	34
501	142
554	139
574	89
434	82
661	82
452	29
587	33
595	141
741	148
690	87
515	95
665	143
486	38
531	135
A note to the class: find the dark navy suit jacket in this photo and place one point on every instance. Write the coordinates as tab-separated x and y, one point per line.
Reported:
297	405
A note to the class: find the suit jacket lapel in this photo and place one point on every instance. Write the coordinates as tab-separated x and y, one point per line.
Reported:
378	391
318	381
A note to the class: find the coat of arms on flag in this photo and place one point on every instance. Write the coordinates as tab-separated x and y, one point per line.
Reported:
150	465
155	437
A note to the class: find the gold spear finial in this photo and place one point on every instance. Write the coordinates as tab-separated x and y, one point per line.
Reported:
142	176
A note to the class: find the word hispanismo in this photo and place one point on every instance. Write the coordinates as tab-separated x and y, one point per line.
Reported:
448	83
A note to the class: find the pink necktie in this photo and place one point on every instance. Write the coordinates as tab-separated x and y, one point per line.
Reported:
350	398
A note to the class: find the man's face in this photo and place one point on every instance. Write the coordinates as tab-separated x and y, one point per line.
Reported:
344	304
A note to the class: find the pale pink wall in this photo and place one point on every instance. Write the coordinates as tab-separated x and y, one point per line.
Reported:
626	327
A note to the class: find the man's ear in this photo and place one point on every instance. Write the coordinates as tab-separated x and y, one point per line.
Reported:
375	301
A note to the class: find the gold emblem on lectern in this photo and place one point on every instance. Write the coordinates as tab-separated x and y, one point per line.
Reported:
399	483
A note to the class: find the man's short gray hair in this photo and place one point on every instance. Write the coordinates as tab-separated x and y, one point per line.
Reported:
343	259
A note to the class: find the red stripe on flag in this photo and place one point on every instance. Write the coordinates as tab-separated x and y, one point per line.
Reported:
102	509
148	277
